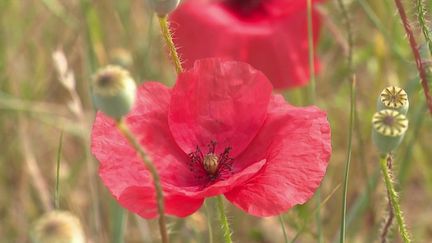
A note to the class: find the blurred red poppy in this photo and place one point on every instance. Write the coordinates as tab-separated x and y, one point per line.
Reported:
219	130
271	35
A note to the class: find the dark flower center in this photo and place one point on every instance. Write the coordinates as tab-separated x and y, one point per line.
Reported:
243	7
389	120
210	166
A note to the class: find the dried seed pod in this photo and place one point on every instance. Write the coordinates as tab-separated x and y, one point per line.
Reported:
389	127
114	91
393	98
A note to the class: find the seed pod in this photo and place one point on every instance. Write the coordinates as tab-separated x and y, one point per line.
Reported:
114	91
164	7
393	98
57	226
389	127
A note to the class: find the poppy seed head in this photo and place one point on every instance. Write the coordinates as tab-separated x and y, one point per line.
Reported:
58	226
211	163
390	123
114	91
394	97
110	80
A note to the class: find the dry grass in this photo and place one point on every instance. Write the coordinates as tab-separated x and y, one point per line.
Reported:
36	106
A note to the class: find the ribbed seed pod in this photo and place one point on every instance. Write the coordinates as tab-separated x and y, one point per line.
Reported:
393	98
57	227
389	127
114	91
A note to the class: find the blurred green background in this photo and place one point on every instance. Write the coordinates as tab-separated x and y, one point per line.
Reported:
44	44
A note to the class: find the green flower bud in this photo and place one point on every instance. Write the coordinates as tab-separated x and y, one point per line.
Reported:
393	98
114	91
389	127
57	227
164	7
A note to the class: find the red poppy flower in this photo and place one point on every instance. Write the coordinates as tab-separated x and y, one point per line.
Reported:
219	130
271	35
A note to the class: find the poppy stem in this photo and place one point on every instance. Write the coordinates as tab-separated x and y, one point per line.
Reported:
393	197
166	33
222	217
123	128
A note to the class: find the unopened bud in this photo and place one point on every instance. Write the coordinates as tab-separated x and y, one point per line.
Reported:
57	227
393	98
114	91
164	7
389	127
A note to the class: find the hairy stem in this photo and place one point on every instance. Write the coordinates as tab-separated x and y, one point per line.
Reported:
393	197
166	33
123	128
223	219
389	221
421	12
416	53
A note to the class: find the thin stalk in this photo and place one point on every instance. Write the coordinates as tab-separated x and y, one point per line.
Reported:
119	223
166	33
57	188
282	224
348	161
393	197
306	219
312	84
416	53
209	224
312	100
223	219
353	112
388	223
421	12
123	128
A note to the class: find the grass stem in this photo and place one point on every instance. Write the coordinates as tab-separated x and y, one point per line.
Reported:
57	188
312	84
351	121
282	224
209	224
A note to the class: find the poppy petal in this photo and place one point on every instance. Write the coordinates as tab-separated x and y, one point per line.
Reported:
120	166
296	144
225	102
142	201
275	43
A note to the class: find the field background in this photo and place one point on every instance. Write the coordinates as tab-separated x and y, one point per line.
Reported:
36	106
